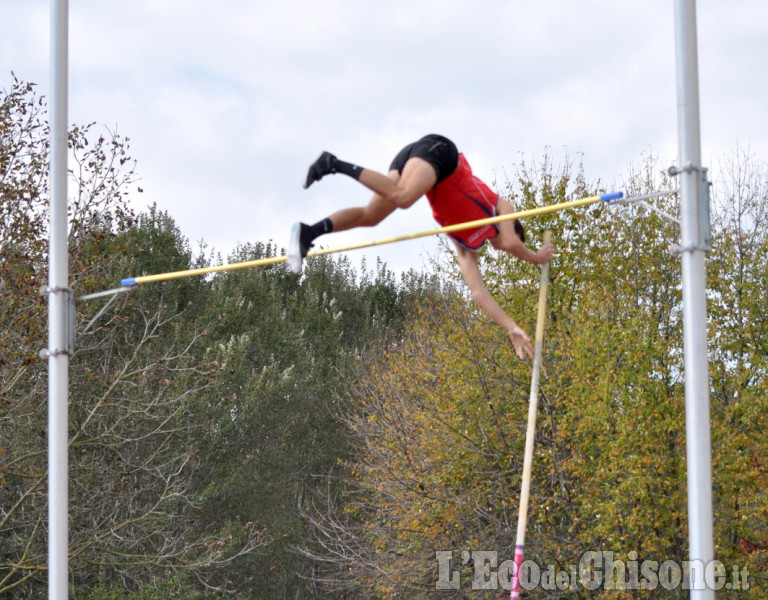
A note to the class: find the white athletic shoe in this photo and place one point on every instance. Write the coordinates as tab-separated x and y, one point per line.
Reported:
295	256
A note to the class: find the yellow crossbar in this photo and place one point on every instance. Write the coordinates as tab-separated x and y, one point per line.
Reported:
131	281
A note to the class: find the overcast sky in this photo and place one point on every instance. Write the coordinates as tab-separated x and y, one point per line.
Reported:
226	102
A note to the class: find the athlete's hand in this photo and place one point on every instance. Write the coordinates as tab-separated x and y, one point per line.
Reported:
545	253
521	342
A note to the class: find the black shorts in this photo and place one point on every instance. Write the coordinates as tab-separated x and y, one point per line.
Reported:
438	151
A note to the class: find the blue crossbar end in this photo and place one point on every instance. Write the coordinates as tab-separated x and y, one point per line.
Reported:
611	196
128	282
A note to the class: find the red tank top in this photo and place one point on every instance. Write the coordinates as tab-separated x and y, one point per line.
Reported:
462	197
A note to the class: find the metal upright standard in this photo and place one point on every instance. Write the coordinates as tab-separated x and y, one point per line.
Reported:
59	301
530	435
694	244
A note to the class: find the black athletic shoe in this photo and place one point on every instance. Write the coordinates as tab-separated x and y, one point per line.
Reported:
298	246
321	167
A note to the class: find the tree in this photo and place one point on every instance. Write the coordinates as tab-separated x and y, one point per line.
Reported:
738	281
201	410
22	384
281	346
434	470
131	375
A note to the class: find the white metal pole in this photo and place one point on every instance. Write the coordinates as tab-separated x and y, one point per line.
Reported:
58	309
693	241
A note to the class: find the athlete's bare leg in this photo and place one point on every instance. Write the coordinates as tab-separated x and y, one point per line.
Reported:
374	213
390	192
417	179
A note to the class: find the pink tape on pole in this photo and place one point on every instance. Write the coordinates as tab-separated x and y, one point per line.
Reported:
515	593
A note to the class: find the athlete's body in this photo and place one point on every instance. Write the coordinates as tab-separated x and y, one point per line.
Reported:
433	167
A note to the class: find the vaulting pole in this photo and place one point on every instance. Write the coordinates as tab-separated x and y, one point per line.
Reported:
530	435
59	296
694	241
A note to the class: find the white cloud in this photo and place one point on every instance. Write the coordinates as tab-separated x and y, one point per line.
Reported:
226	104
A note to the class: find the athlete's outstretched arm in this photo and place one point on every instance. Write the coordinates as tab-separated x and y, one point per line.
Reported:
474	279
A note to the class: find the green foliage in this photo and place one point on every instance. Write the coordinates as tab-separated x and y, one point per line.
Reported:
738	278
441	419
201	410
281	346
256	433
166	588
23	248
